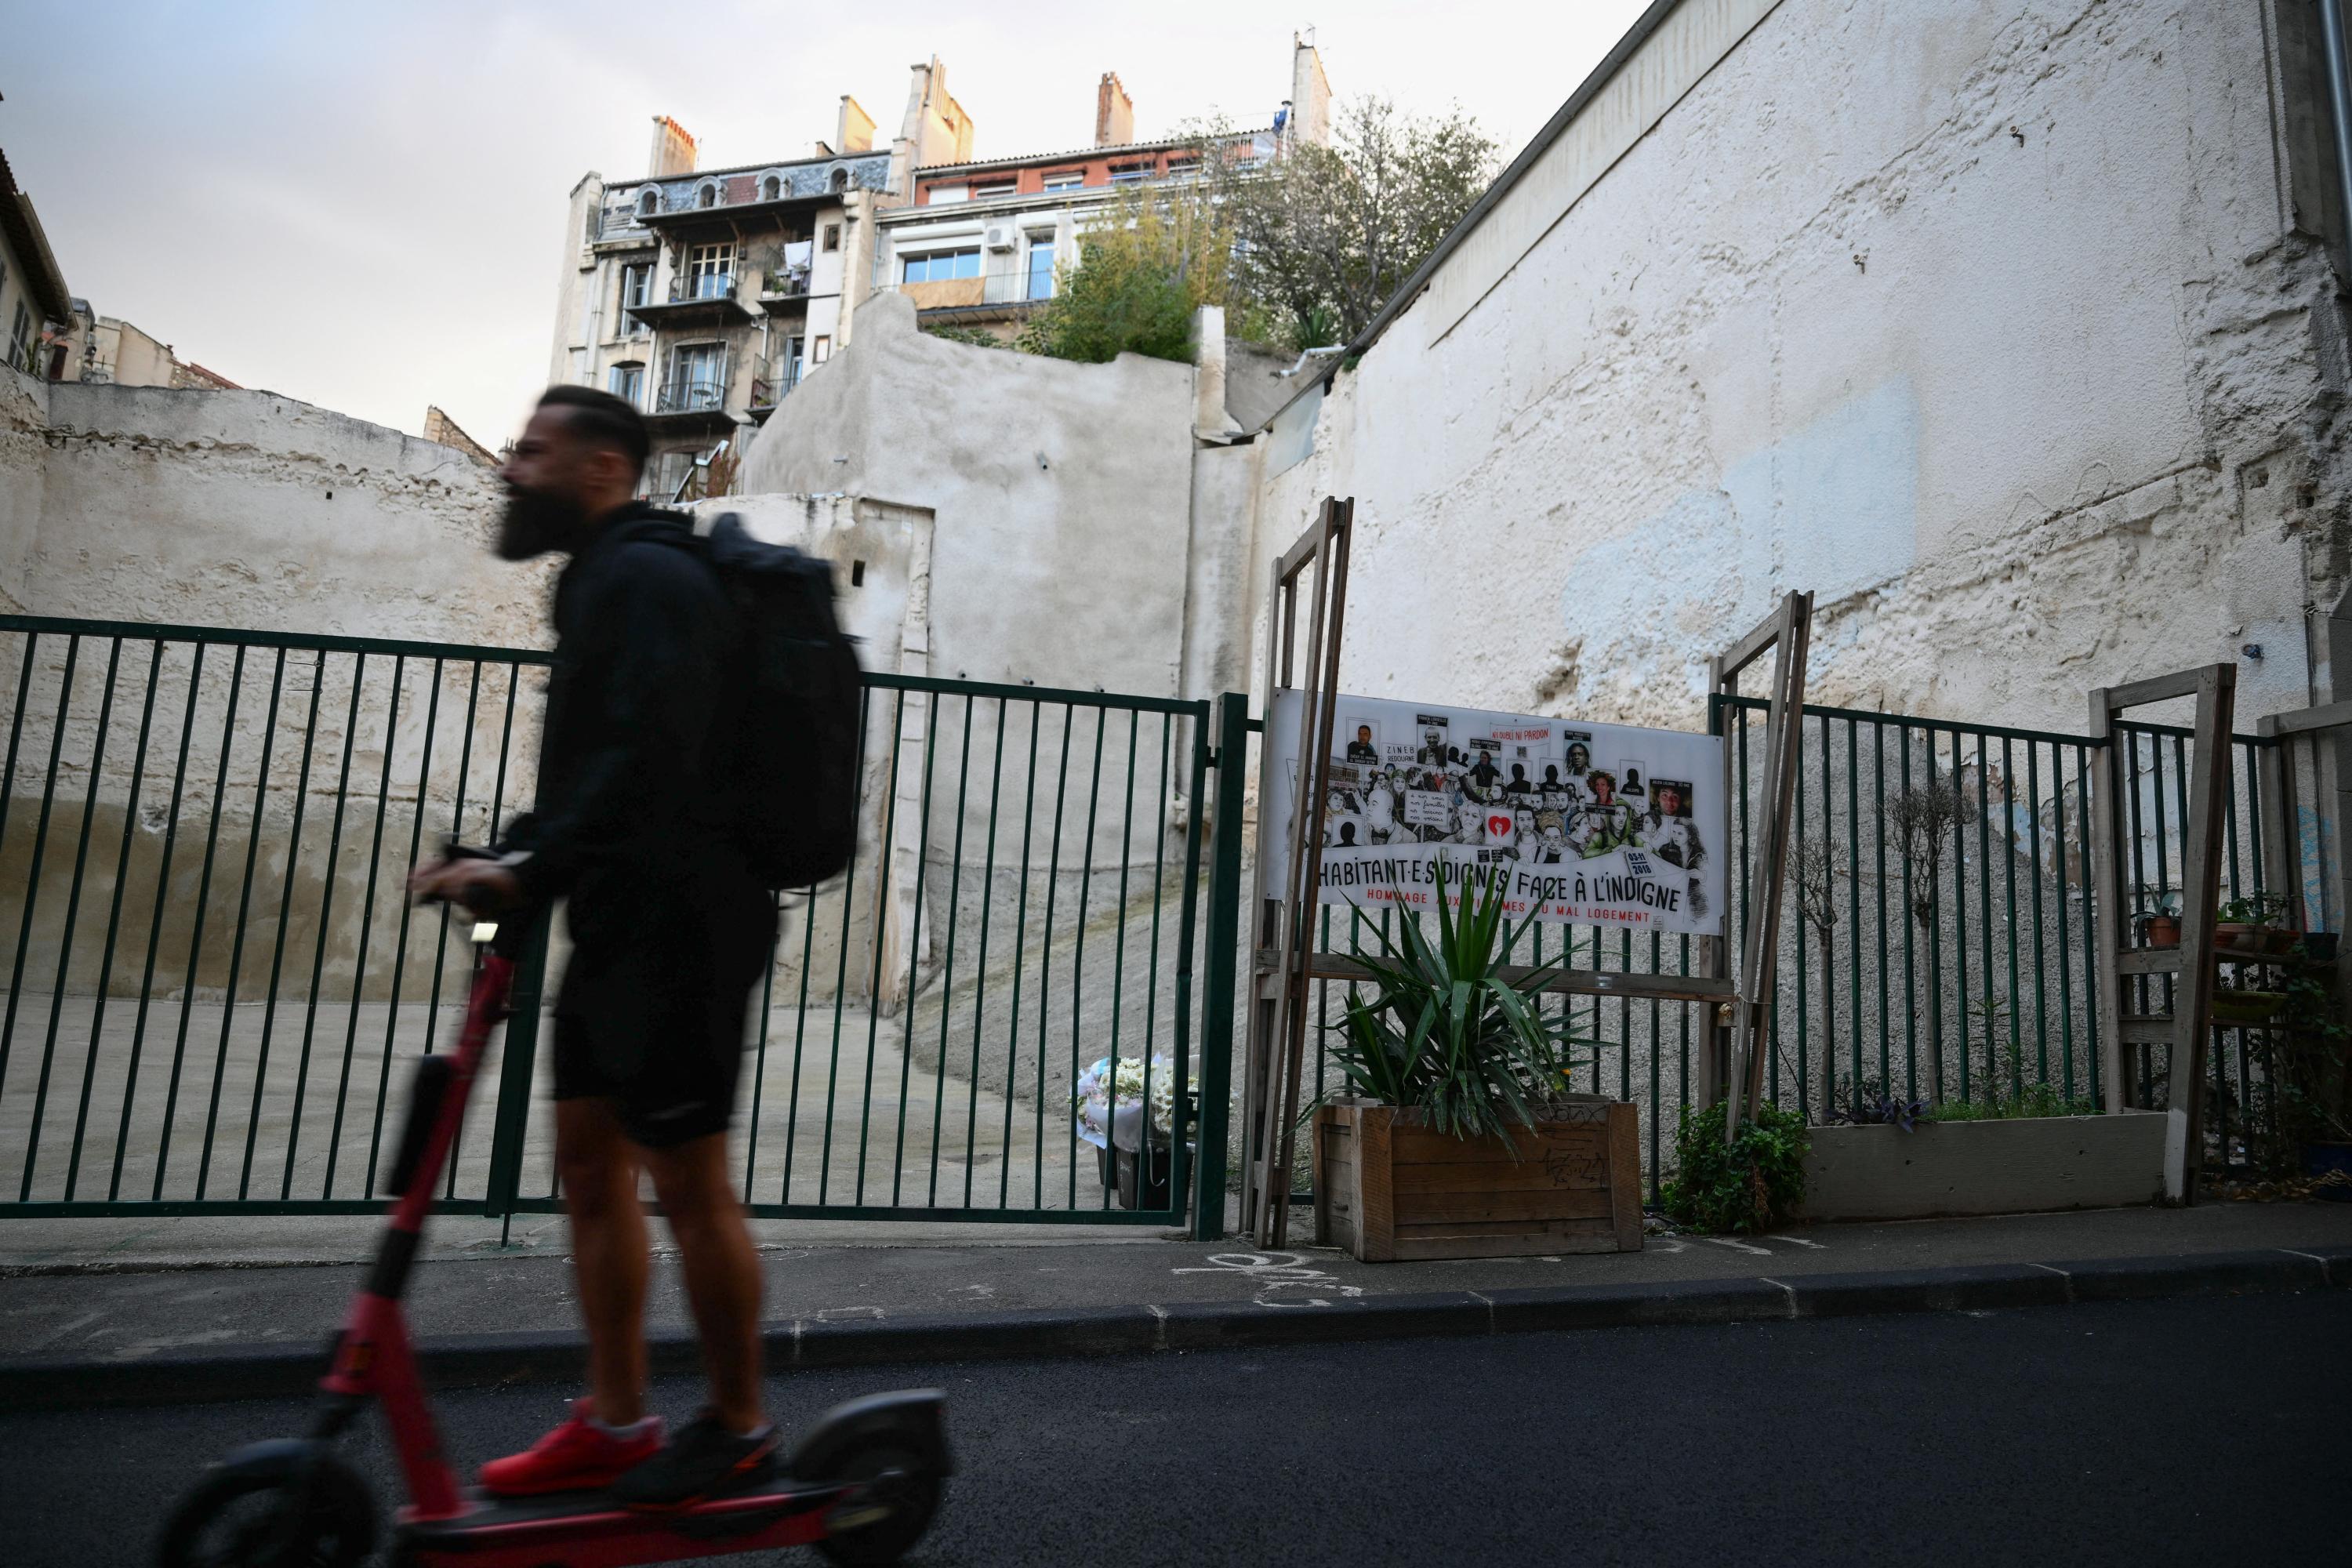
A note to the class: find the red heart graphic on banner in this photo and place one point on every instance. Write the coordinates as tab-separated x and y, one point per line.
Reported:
1498	826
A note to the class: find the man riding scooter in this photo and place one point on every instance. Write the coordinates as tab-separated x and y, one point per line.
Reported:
670	930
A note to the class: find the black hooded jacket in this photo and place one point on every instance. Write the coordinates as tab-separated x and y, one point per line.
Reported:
637	706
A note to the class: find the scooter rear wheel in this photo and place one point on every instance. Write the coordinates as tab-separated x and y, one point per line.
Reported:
255	1519
912	1496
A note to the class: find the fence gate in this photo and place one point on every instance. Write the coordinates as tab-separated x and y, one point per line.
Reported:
214	982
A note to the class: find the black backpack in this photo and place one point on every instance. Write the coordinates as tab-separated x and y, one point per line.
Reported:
794	766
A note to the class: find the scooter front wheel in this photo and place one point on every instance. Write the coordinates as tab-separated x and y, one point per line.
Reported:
883	1524
276	1510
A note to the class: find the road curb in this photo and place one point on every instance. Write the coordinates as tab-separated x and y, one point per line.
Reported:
490	1360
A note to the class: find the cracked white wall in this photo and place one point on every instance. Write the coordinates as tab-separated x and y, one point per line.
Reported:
1989	322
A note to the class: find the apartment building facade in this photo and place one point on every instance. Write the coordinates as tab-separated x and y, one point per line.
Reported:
34	307
977	244
704	296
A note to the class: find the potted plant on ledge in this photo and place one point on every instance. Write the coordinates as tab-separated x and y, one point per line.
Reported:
1129	1122
1463	1142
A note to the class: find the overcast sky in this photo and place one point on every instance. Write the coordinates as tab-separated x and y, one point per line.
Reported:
362	205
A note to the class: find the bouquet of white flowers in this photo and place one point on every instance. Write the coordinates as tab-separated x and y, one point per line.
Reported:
1110	1102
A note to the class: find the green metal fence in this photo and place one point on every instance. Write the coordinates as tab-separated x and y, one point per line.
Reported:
1956	961
215	984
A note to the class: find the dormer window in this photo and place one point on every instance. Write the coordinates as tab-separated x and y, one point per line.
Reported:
648	202
840	181
772	189
708	196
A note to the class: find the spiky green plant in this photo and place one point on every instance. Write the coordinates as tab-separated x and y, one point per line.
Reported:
1446	1034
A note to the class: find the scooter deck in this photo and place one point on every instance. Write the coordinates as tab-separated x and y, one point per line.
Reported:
591	1529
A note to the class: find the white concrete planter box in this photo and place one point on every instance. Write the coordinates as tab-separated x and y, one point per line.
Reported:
1985	1167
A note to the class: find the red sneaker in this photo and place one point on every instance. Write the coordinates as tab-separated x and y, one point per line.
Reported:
578	1456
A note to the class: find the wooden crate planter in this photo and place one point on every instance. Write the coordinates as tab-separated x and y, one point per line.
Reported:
1388	1187
2015	1166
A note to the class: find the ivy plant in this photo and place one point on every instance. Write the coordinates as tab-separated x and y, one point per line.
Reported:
1752	1184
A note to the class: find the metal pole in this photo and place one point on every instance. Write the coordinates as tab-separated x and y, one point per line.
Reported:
1217	987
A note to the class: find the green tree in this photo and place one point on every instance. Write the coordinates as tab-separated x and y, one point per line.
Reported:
1145	265
1324	236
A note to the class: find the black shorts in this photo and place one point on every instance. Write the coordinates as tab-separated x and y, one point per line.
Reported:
652	1011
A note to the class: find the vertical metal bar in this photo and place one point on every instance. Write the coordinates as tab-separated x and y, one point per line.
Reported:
519	1053
277	949
1079	953
1960	922
800	1016
153	948
244	910
914	961
1019	951
2090	926
759	1061
326	916
947	980
1151	987
1805	1087
73	917
1179	1160
1984	903
1119	969
17	728
40	848
1045	967
1217	989
399	947
1854	895
840	988
113	926
2033	887
883	884
979	965
441	915
367	933
1910	986
204	891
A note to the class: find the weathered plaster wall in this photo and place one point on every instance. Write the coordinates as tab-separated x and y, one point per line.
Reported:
1061	493
1987	322
24	462
272	797
249	509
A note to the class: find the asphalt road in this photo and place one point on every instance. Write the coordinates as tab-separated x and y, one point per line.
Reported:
2147	1432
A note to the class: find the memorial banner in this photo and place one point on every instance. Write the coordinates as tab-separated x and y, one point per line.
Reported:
1592	824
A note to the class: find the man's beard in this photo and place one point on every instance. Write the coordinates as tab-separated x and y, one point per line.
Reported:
535	522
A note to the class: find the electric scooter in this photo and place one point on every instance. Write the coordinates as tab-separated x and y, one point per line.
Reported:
861	1488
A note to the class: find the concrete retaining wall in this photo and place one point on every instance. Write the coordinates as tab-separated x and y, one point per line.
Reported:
2018	1166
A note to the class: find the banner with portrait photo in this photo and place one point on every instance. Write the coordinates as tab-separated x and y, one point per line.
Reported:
1590	823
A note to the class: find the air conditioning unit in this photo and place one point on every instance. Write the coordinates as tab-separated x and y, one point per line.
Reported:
1002	237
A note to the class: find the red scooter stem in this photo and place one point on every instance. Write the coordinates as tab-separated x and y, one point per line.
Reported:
374	1358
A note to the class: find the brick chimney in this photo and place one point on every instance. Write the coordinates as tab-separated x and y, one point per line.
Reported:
673	148
1114	113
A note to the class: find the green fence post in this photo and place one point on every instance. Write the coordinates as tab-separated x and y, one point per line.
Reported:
1217	989
516	1072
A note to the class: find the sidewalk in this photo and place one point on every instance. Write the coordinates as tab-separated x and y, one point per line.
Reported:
184	1315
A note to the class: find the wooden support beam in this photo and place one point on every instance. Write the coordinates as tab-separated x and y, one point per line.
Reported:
2155	689
2201	881
1760	965
1749	649
2327	717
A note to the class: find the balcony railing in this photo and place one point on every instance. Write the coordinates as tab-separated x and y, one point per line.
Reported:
702	286
691	395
